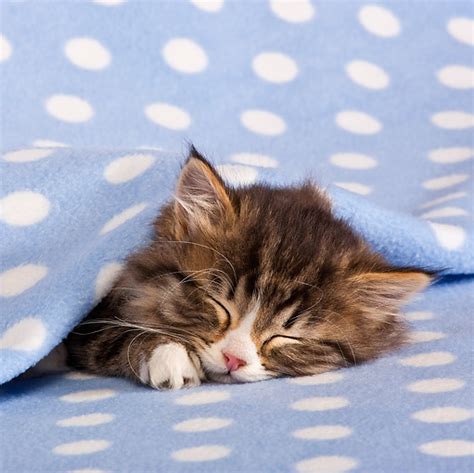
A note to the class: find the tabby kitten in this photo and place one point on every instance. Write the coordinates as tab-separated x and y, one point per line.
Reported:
245	284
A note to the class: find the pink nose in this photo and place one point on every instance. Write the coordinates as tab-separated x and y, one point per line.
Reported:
232	362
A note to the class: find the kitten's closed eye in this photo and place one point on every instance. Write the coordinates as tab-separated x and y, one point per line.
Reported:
243	285
278	340
223	313
291	320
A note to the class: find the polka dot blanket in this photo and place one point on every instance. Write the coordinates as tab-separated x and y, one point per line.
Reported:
372	100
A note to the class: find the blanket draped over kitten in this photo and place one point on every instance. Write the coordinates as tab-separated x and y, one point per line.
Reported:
245	284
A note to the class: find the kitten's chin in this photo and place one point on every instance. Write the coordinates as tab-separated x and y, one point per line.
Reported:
236	377
222	378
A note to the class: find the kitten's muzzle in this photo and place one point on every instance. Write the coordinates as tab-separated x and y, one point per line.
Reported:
233	363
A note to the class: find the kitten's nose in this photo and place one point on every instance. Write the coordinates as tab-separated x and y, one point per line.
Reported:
232	362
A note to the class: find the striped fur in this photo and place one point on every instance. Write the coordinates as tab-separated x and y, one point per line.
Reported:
319	298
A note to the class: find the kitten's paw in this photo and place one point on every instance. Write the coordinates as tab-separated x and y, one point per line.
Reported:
171	367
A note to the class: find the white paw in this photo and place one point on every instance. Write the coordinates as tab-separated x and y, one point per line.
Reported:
171	367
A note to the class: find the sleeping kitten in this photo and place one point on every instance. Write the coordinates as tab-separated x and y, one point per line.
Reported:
243	285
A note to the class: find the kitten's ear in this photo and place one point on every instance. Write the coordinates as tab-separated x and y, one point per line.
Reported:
201	199
391	288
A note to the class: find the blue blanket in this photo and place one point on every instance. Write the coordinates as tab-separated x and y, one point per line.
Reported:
70	217
372	101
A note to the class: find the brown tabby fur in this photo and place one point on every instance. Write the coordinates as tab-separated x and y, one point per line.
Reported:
326	299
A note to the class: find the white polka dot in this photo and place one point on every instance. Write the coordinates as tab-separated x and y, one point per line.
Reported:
263	122
445	198
448	448
27	335
426	360
49	144
89	395
436	385
201	454
324	378
425	336
106	278
5	48
445	181
451	155
368	75
86	420
69	108
418	315
444	212
379	21
236	174
109	3
127	168
453	120
323	432
167	115
457	77
326	464
275	67
21	278
123	217
185	55
462	29
354	187
320	403
443	415
204	397
81	447
296	11
353	161
210	6
27	155
450	237
87	53
23	208
202	424
79	376
254	159
359	123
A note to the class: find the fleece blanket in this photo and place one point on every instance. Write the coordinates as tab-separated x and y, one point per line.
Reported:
69	217
374	101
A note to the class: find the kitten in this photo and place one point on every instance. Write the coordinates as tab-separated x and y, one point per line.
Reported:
242	285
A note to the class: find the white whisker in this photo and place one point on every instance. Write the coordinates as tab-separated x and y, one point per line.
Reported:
202	246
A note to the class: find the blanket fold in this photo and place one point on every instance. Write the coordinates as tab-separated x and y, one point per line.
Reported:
70	216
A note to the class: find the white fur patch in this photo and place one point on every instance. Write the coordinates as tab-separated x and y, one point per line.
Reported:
171	366
239	343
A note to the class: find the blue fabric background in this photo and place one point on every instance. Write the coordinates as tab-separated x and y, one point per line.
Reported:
418	159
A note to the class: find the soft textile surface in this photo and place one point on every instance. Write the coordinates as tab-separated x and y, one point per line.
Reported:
411	412
371	99
70	217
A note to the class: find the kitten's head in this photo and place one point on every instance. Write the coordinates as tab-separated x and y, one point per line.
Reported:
264	281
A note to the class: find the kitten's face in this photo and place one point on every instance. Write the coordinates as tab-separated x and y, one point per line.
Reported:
264	282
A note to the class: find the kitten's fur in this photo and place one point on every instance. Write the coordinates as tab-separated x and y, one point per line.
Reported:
268	276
